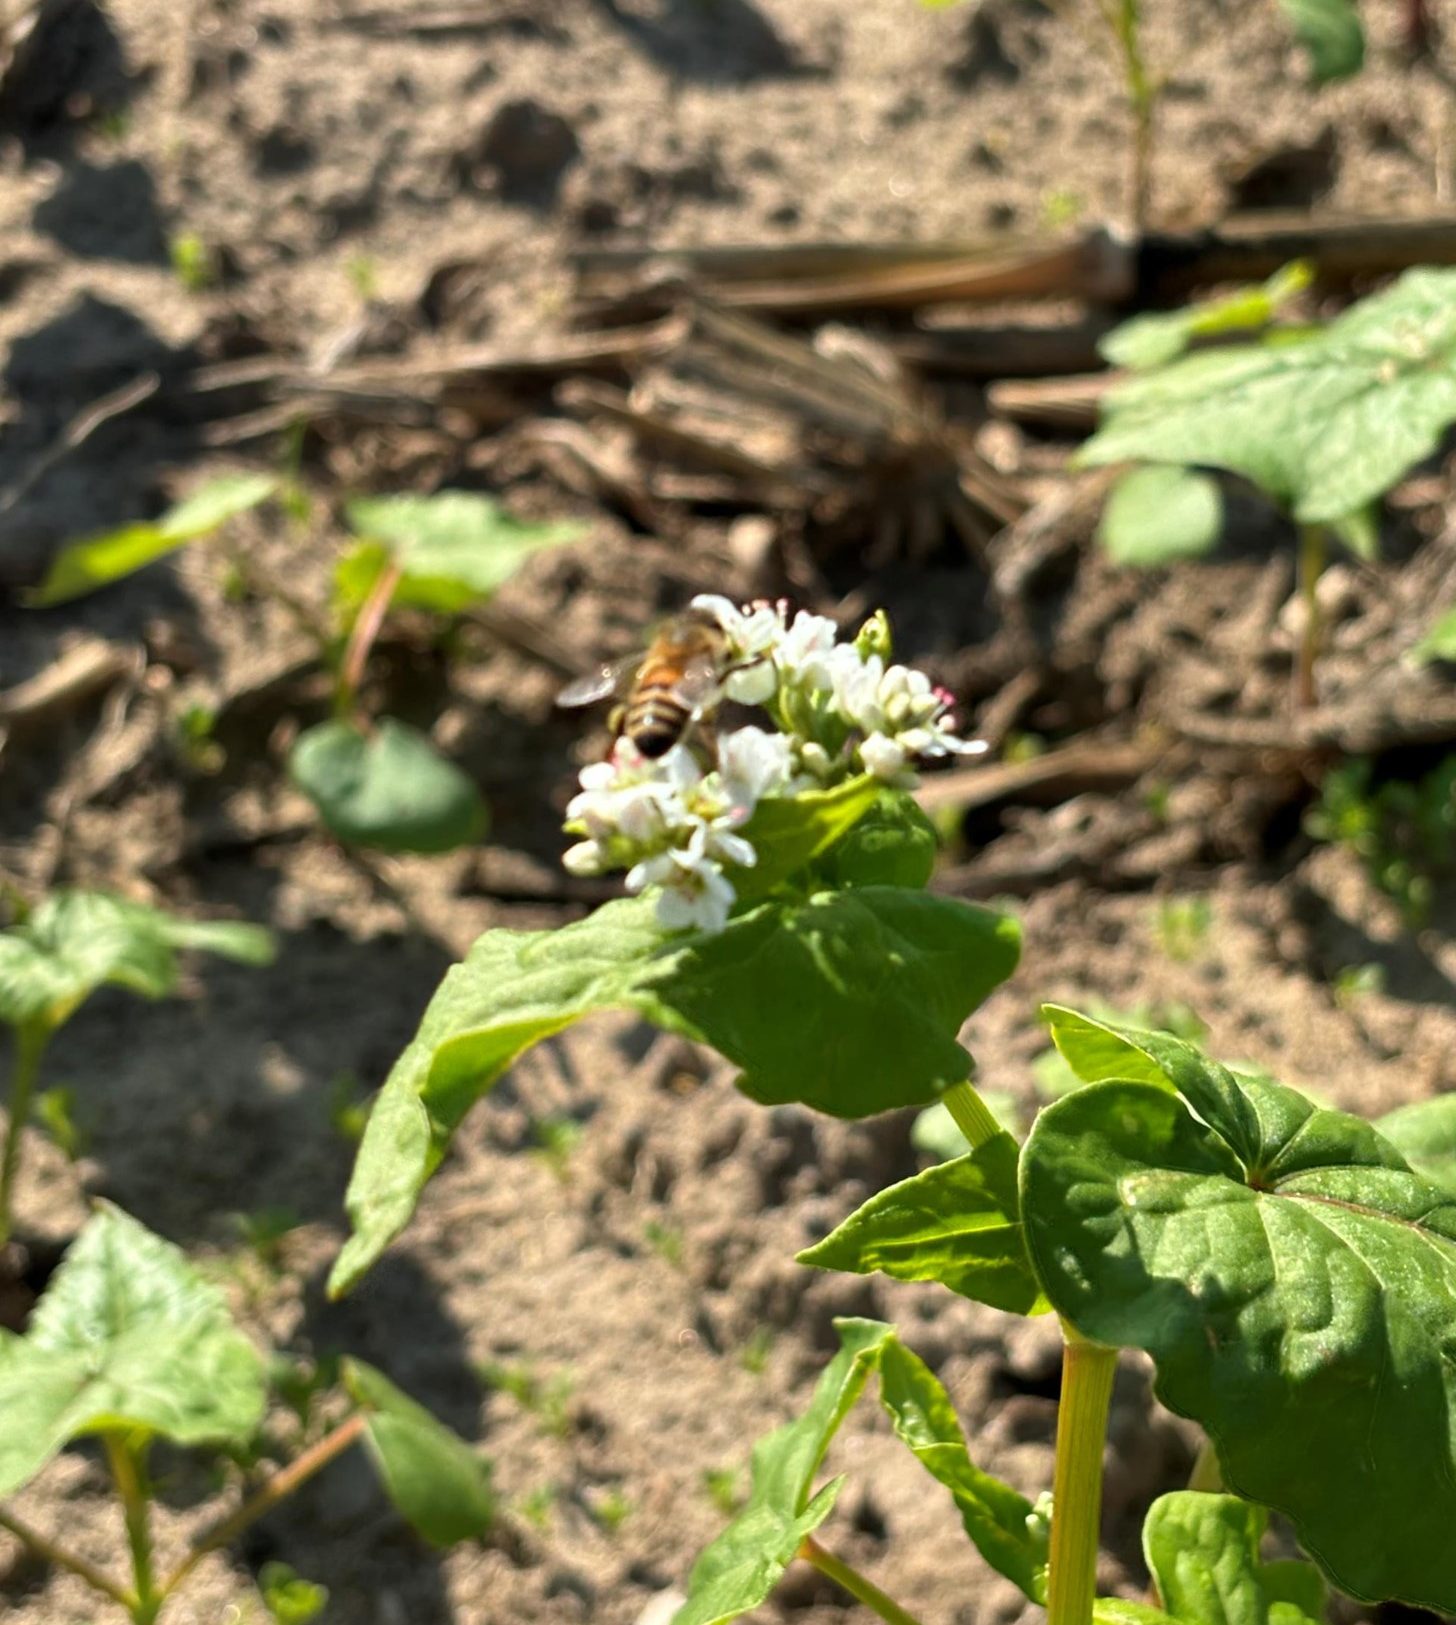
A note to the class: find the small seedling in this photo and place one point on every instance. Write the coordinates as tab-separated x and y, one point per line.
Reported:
1356	982
72	943
666	1240
349	1106
611	1509
264	1233
288	1597
1182	926
547	1399
55	1112
725	1489
194	263
130	1345
556	1140
757	1347
538	1505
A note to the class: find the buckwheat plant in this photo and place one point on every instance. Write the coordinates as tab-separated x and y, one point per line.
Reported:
1289	1270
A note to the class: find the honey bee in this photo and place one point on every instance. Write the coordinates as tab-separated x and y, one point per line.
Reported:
667	691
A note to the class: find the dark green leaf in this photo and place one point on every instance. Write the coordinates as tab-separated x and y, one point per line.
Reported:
127	1335
1154	339
439	1484
894	844
789	832
1203	1554
957	1223
75	941
1439	643
743	1565
1324	425
1330	31
456	547
1425	1135
389	789
848	1002
1003	1524
1156	515
83	567
1292	1279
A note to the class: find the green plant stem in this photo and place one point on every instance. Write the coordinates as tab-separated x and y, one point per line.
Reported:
1087	1373
47	1549
972	1116
31	1038
278	1488
1124	20
1311	566
854	1583
362	635
126	1471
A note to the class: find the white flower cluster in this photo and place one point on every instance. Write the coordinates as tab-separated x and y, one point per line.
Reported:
841	709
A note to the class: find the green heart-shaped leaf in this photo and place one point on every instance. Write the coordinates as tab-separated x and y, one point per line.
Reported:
389	789
1292	1279
1157	515
440	1485
958	1223
1330	31
76	941
1324	424
127	1335
848	1002
789	832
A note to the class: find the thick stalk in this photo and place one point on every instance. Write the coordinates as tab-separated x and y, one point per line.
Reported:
1087	1373
854	1583
362	635
30	1042
972	1116
1311	565
126	1464
266	1497
47	1549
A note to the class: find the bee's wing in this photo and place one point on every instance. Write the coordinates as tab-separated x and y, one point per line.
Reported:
599	683
701	682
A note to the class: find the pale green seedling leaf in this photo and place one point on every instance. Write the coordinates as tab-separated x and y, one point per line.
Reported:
1157	515
127	1335
999	1520
388	789
1425	1135
288	1597
1330	31
455	548
848	1002
83	567
1156	338
1203	1554
439	1484
1293	1280
958	1223
789	832
1439	643
741	1567
1323	425
76	941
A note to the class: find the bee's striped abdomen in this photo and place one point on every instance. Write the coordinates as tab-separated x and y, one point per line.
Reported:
655	717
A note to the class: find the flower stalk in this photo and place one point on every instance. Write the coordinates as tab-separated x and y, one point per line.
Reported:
861	1589
1087	1373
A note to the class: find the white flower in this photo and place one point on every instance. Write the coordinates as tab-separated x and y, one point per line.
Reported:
750	632
585	858
755	764
883	757
702	906
753	684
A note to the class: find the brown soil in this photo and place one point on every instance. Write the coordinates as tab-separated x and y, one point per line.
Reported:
334	160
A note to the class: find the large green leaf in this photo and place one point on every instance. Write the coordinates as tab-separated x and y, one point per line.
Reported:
1003	1524
75	941
389	789
743	1565
82	567
1157	515
1425	1135
455	548
1323	425
1331	32
127	1335
1157	337
1203	1554
894	844
440	1485
958	1223
1293	1280
848	1002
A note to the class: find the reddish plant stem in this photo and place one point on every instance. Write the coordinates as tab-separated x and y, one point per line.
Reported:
362	635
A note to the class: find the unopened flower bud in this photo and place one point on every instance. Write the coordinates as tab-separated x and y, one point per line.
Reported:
873	638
